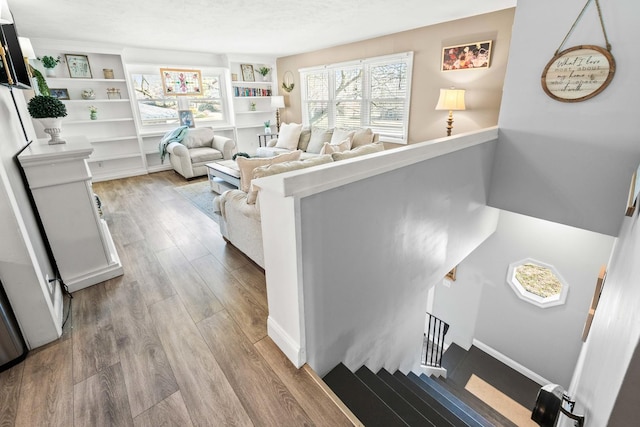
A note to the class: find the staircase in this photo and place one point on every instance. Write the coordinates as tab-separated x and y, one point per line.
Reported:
386	399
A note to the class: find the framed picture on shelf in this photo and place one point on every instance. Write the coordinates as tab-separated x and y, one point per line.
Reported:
78	66
181	82
466	56
59	93
247	73
186	118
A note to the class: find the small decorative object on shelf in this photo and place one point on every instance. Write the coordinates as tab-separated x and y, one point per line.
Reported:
60	93
267	127
247	72
263	71
88	94
78	66
234	77
108	73
49	63
93	110
252	106
113	93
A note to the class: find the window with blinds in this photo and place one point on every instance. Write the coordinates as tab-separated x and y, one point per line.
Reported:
370	93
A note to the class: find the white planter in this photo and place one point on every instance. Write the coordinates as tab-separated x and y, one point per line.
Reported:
50	72
53	127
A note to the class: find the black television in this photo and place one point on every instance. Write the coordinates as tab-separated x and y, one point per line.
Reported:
13	68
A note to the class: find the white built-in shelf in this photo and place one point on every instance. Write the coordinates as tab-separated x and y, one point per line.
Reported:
77	122
254	112
69	79
95	159
240	83
120	138
261	125
247	97
89	101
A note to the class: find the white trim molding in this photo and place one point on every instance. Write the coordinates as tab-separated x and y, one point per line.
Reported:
287	345
511	363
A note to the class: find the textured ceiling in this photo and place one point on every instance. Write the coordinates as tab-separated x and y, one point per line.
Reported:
274	27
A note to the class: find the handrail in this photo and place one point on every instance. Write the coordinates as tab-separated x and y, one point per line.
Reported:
434	341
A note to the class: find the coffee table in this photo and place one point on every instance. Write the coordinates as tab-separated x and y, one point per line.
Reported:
223	175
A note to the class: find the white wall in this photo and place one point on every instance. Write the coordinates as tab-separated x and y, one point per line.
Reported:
522	331
568	162
23	259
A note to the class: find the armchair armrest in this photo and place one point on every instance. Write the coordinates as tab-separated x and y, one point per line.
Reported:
225	145
177	149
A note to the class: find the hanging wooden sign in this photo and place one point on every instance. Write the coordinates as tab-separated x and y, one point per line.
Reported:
578	73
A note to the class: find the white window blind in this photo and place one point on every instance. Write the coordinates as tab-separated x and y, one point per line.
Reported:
371	93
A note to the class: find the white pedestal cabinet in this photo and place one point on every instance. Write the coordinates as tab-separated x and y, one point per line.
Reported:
60	182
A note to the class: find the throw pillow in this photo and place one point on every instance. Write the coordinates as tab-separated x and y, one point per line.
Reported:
288	136
276	168
340	135
329	148
305	136
362	137
360	151
199	137
318	138
247	166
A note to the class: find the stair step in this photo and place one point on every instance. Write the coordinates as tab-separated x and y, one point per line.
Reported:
408	413
364	403
473	401
449	400
424	406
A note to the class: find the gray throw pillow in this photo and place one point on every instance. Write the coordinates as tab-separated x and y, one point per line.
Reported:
318	138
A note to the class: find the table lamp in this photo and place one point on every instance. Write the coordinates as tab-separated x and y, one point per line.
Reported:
451	99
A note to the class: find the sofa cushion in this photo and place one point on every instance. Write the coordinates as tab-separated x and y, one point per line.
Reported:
276	168
198	137
204	154
329	148
340	135
362	137
288	136
247	166
360	151
318	138
305	136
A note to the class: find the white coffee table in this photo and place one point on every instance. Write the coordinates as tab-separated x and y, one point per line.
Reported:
223	175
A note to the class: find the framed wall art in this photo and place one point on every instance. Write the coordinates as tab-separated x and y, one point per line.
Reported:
247	73
186	118
78	66
466	56
181	82
59	93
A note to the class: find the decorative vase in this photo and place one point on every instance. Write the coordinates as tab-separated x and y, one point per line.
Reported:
50	72
267	131
265	78
53	127
88	94
94	115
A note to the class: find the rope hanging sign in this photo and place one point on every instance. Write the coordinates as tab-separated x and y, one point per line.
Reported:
580	72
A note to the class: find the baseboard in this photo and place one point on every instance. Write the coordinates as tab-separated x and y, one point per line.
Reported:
511	363
288	346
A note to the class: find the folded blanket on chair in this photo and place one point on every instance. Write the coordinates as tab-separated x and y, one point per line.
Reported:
175	135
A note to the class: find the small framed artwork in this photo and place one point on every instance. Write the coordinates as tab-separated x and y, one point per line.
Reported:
59	93
247	73
594	301
78	66
181	82
452	274
466	56
234	77
186	118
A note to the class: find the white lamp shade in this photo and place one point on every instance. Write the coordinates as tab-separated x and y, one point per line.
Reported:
451	99
5	13
277	101
26	47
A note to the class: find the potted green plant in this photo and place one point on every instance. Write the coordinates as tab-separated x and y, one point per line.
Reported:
263	71
49	112
267	127
49	63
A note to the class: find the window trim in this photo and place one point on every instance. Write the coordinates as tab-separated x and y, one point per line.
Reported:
366	65
531	298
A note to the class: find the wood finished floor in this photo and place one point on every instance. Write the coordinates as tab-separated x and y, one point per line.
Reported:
179	340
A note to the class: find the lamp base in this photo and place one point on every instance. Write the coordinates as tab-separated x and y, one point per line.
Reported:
450	123
278	119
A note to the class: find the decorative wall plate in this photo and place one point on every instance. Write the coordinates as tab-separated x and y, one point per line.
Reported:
578	73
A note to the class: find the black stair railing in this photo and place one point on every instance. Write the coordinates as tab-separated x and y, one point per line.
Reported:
433	346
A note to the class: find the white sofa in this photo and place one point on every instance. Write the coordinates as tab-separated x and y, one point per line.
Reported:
240	222
199	147
313	141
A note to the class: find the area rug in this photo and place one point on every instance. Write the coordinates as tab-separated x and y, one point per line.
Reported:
201	196
499	401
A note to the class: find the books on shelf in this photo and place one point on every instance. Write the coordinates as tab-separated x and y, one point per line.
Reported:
251	91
